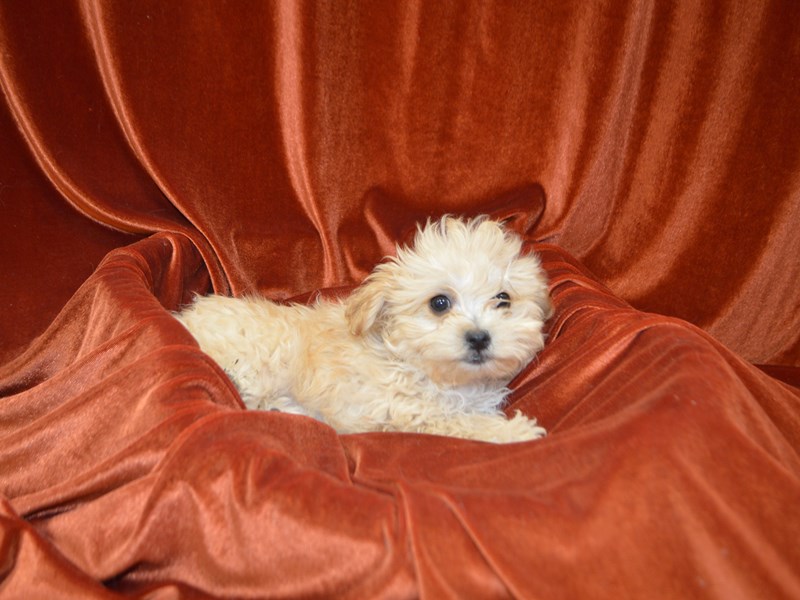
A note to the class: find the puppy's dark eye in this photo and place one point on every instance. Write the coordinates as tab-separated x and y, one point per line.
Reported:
505	300
440	304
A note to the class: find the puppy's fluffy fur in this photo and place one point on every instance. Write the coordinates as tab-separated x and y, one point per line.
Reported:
427	343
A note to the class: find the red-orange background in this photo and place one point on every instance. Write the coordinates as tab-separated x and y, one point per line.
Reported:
666	137
285	147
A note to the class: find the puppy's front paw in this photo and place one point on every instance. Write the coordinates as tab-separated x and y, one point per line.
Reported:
494	428
520	428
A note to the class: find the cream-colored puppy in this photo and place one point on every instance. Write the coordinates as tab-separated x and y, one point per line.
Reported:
426	344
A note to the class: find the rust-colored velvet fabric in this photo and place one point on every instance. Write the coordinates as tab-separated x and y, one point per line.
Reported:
150	150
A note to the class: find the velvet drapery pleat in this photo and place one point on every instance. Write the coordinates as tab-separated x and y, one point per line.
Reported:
152	150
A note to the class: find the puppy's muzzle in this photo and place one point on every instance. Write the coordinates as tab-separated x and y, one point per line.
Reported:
478	340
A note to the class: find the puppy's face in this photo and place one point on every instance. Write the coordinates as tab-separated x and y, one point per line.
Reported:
462	304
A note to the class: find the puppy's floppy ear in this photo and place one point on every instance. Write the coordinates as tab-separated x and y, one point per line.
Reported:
547	306
365	305
528	278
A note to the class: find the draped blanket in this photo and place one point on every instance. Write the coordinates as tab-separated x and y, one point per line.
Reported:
649	151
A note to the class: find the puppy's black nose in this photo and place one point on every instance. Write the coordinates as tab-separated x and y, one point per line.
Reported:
478	339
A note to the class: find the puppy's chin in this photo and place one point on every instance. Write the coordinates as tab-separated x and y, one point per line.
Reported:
472	370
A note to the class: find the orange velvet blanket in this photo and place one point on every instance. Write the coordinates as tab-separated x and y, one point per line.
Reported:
650	151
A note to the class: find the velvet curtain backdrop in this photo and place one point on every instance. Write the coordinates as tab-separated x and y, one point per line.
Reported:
153	149
666	136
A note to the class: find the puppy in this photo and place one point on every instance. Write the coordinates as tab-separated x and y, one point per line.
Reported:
427	343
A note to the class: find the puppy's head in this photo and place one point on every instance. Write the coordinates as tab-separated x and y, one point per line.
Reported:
462	304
